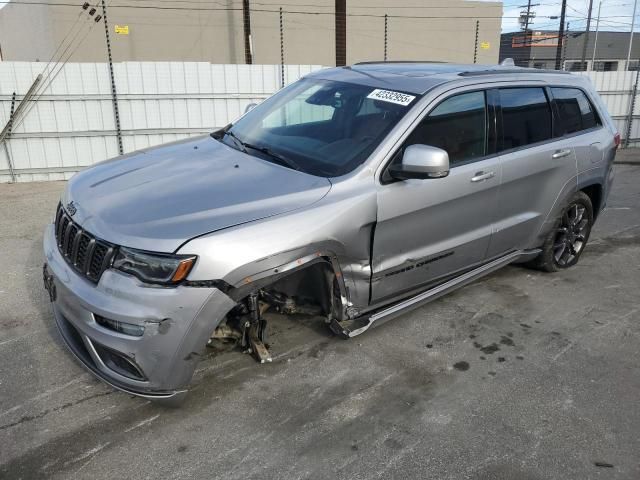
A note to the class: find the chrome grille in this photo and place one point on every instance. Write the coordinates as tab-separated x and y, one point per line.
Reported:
87	254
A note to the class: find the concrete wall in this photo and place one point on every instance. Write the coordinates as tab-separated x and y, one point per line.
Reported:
305	36
212	34
154	35
449	39
25	31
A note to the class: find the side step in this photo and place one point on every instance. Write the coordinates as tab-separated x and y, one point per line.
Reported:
362	324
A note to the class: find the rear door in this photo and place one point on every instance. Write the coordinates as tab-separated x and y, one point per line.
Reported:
578	119
536	167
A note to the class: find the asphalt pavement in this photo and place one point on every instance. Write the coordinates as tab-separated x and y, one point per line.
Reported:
521	375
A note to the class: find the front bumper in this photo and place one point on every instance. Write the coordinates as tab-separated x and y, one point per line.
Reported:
176	324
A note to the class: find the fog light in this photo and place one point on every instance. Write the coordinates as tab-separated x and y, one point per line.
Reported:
120	327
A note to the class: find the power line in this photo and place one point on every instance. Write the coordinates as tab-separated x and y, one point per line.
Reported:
235	9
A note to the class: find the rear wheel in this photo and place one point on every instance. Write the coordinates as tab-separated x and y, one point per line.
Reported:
564	245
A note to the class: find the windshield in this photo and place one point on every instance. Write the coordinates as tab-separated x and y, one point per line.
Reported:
321	127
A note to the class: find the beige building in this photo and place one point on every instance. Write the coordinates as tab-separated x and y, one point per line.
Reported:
435	30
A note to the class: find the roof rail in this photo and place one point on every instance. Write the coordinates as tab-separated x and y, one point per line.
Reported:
498	71
373	62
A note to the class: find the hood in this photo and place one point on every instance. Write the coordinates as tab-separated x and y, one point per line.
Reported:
159	198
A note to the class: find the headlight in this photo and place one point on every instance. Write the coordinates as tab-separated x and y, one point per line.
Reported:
165	269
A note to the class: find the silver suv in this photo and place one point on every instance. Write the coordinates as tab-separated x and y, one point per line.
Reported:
352	195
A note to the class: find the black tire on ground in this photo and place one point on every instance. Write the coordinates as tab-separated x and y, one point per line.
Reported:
566	242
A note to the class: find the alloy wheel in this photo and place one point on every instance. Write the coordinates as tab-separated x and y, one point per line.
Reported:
571	235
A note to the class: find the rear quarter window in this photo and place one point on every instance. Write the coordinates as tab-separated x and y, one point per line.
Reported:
575	111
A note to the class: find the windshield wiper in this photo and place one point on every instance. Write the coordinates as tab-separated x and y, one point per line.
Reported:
276	156
242	146
239	143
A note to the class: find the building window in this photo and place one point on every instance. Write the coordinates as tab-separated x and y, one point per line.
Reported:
605	66
535	40
634	65
575	66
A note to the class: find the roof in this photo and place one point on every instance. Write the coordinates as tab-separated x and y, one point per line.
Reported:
416	77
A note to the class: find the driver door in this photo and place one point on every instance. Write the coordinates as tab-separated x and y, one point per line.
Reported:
431	229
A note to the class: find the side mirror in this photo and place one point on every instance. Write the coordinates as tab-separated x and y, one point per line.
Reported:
421	161
251	106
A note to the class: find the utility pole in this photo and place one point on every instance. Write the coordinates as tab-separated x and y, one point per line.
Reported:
526	25
114	95
527	15
563	12
595	41
248	44
633	23
583	58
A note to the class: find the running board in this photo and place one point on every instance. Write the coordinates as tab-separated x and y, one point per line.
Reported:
365	322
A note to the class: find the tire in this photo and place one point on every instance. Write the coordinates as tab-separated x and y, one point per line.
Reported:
567	240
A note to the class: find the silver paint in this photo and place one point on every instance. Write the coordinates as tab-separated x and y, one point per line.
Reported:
247	219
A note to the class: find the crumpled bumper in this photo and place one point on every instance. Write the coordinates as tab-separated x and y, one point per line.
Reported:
171	325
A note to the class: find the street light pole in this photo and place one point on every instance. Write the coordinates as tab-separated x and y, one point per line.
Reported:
583	58
633	22
595	41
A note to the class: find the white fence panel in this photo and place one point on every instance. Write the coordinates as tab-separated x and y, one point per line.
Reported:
72	125
616	89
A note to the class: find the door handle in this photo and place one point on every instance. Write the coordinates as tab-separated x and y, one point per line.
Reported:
481	176
561	153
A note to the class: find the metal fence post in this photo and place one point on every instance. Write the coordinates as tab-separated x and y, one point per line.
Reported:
114	95
281	50
12	173
475	48
632	105
386	35
15	112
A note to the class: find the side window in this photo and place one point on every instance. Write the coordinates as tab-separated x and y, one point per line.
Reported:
575	112
457	125
526	116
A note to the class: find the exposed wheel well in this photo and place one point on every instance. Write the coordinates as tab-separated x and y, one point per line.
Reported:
594	192
311	291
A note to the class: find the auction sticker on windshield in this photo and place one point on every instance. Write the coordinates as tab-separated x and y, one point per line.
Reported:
392	97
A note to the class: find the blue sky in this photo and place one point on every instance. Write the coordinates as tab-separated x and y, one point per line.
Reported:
615	14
